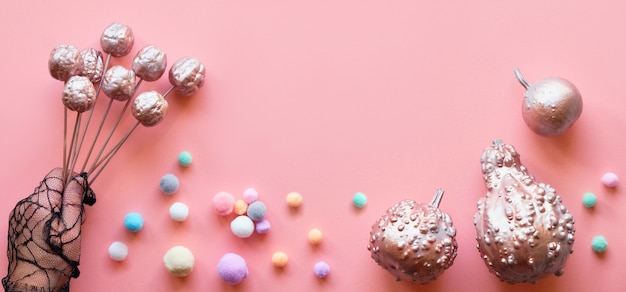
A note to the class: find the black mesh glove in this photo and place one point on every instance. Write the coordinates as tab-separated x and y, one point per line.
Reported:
45	234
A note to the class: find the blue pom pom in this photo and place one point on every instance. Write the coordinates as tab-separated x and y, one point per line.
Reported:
133	222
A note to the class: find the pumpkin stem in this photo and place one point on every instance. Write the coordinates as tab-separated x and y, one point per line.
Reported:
519	77
437	198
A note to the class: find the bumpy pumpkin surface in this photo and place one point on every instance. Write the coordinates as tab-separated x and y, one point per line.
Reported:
414	241
524	231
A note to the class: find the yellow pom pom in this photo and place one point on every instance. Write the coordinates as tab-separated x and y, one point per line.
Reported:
240	207
294	200
279	259
315	236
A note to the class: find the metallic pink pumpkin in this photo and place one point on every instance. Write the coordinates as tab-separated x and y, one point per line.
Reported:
551	105
413	241
523	229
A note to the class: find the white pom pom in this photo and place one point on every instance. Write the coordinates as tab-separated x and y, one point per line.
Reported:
118	251
179	211
242	226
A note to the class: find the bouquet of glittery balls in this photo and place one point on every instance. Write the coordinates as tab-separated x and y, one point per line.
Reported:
87	74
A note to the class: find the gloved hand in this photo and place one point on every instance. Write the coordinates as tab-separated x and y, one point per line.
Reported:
45	234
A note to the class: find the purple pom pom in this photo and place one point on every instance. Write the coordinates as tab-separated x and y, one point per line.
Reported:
232	268
263	226
321	269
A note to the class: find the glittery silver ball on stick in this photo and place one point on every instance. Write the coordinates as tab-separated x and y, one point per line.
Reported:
149	108
87	72
93	64
117	40
119	83
65	61
79	94
149	64
187	75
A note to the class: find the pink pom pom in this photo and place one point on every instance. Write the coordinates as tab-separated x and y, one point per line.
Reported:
250	195
610	179
223	203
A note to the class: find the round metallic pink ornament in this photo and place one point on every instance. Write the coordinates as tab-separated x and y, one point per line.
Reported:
551	105
149	63
187	76
79	94
149	108
117	40
119	83
65	61
93	66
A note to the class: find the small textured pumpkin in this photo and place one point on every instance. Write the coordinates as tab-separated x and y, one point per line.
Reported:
414	241
524	231
551	105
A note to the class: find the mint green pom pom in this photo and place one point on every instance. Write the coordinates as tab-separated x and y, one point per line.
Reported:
599	244
359	200
184	158
589	200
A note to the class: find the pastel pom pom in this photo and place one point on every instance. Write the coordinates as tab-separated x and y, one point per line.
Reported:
118	251
232	268
279	259
321	269
223	203
262	227
184	158
133	221
179	211
179	261
589	200
610	179
315	236
242	226
294	199
599	244
359	200
250	195
241	207
169	184
257	211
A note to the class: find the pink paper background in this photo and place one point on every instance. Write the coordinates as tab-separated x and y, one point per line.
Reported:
391	98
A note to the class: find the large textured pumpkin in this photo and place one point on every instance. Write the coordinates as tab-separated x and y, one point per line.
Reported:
524	231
